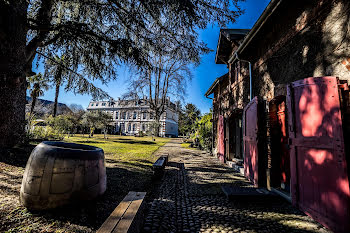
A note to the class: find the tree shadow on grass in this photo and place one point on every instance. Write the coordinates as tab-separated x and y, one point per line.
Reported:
135	142
136	163
88	141
125	139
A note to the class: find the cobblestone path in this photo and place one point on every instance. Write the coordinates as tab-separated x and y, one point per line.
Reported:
190	199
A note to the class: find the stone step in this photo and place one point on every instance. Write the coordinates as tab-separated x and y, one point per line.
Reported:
236	166
249	193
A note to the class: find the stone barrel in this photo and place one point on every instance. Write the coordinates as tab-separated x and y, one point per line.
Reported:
58	173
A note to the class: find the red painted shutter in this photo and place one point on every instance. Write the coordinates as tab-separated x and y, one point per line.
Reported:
250	140
221	138
319	175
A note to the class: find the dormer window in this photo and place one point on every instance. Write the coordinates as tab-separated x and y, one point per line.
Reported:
103	104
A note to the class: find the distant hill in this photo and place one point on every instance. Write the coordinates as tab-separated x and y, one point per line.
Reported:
45	107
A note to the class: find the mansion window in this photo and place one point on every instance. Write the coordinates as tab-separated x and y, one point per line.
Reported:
129	127
144	115
116	115
135	115
134	127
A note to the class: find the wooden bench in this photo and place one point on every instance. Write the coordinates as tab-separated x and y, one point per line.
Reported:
159	165
127	217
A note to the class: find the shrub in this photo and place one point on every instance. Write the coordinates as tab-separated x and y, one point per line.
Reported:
44	133
36	131
204	132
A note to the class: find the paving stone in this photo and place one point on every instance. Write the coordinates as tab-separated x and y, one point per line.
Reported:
189	199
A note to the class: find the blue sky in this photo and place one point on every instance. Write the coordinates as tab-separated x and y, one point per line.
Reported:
204	74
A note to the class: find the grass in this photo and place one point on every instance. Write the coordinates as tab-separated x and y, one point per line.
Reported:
187	145
128	166
124	148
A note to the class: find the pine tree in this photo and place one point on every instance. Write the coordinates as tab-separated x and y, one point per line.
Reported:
98	35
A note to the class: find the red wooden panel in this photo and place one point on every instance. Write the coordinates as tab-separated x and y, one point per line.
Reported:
250	142
221	138
320	184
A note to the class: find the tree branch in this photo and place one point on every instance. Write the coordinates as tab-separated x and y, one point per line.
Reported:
44	18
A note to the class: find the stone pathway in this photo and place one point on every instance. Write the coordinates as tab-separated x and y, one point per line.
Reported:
190	199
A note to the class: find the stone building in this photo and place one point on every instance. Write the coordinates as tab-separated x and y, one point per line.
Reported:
131	117
281	114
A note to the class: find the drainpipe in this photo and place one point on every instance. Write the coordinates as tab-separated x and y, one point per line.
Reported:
270	9
212	127
250	76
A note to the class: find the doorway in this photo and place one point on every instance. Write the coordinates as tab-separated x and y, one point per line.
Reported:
280	159
233	138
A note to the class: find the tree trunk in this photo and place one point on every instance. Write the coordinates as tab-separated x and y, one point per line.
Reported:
33	104
157	119
58	84
12	71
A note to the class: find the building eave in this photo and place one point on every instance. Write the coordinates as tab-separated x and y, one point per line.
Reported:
226	38
215	83
269	10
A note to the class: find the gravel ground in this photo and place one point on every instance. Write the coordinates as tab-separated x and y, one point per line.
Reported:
190	199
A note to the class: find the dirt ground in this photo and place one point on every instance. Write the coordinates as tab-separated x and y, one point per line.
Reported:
122	177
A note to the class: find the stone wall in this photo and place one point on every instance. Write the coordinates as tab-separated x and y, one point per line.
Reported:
300	39
312	40
239	85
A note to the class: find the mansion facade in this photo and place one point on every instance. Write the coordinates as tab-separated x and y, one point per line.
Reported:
131	117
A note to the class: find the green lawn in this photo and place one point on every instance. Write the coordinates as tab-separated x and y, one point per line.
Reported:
129	149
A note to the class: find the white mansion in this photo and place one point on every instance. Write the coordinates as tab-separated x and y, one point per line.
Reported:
134	116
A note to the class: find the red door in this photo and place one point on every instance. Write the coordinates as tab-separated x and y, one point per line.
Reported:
250	141
319	177
221	138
